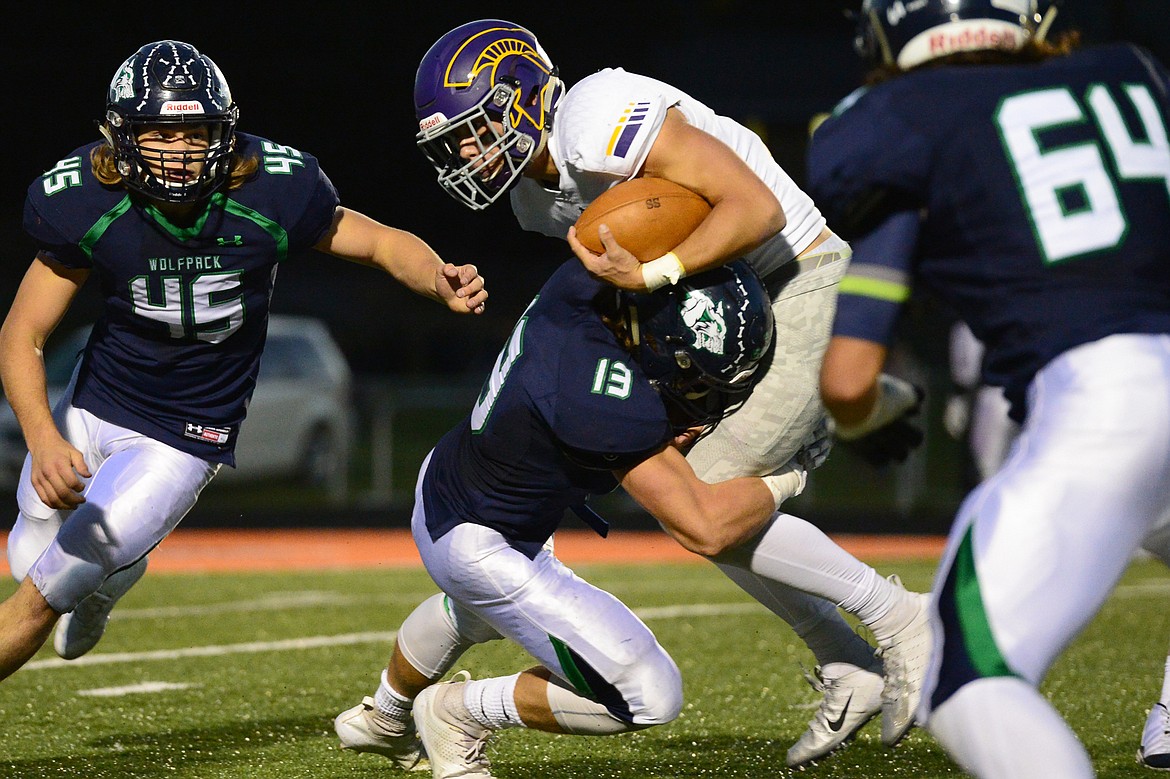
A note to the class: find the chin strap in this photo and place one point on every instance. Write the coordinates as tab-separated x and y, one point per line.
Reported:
1045	23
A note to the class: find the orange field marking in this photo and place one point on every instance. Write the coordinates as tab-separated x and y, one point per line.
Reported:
201	550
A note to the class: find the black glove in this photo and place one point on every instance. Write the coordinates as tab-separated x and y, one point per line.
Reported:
889	434
892	443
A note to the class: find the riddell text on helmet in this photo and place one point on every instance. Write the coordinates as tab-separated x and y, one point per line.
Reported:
979	38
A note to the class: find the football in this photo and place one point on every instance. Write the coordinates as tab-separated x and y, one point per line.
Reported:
648	216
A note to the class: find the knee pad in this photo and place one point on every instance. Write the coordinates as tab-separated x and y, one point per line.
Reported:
438	632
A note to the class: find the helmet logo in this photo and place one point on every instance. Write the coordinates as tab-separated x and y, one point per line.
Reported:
705	319
122	87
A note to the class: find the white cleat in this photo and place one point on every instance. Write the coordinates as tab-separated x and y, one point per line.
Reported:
1155	750
905	657
364	729
454	742
81	629
852	696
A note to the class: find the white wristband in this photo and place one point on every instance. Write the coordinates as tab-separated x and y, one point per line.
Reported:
786	483
895	397
667	269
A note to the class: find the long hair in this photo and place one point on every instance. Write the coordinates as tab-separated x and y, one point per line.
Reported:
105	169
1030	53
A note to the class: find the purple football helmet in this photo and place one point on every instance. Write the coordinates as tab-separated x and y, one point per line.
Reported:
490	81
170	82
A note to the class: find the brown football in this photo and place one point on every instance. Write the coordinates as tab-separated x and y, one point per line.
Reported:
648	216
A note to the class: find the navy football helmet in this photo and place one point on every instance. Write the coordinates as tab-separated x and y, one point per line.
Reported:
907	33
701	341
489	80
163	83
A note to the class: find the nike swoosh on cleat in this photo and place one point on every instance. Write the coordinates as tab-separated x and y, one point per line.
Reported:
835	725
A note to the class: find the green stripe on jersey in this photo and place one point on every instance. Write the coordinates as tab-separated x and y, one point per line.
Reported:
874	288
976	630
569	666
267	225
94	234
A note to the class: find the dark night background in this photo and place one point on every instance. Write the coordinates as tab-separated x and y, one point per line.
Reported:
334	79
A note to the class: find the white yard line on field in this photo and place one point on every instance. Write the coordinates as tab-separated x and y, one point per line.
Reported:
680	611
320	642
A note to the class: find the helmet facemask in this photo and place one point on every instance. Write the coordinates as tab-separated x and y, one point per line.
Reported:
137	163
502	150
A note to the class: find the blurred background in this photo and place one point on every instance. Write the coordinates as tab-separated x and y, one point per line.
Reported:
335	80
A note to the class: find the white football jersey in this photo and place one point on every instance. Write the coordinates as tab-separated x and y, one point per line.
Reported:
603	131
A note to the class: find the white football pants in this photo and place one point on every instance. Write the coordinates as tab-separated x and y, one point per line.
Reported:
139	491
584	635
1037	548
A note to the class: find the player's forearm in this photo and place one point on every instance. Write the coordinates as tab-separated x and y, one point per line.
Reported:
411	261
734	227
723	516
22	371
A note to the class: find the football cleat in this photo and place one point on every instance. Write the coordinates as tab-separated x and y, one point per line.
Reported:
81	629
453	740
905	657
851	697
364	729
1155	750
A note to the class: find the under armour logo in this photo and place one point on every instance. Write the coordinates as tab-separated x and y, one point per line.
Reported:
236	240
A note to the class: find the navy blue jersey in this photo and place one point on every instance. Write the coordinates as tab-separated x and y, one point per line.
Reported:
175	353
1042	195
564	406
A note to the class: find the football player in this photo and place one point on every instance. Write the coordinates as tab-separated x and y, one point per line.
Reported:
183	221
1025	182
495	119
594	388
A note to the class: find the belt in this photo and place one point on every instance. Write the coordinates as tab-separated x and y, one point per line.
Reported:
775	280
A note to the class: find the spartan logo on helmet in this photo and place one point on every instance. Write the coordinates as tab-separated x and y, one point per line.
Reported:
705	319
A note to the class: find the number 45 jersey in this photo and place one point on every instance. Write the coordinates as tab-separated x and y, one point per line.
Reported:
175	352
1043	193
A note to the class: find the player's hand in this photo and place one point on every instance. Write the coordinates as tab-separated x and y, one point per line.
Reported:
615	266
892	443
57	471
461	288
890	433
816	447
686	439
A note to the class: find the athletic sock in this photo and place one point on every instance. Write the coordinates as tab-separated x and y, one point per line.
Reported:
391	705
492	702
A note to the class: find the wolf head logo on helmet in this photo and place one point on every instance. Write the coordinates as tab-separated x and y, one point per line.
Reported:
701	341
908	33
488	82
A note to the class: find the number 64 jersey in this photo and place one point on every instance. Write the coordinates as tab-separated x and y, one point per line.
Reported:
175	352
1042	196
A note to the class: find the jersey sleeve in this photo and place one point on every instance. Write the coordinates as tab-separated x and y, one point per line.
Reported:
605	414
317	215
878	282
49	240
858	179
63	204
608	122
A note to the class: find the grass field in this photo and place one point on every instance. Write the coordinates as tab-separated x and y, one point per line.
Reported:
253	668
